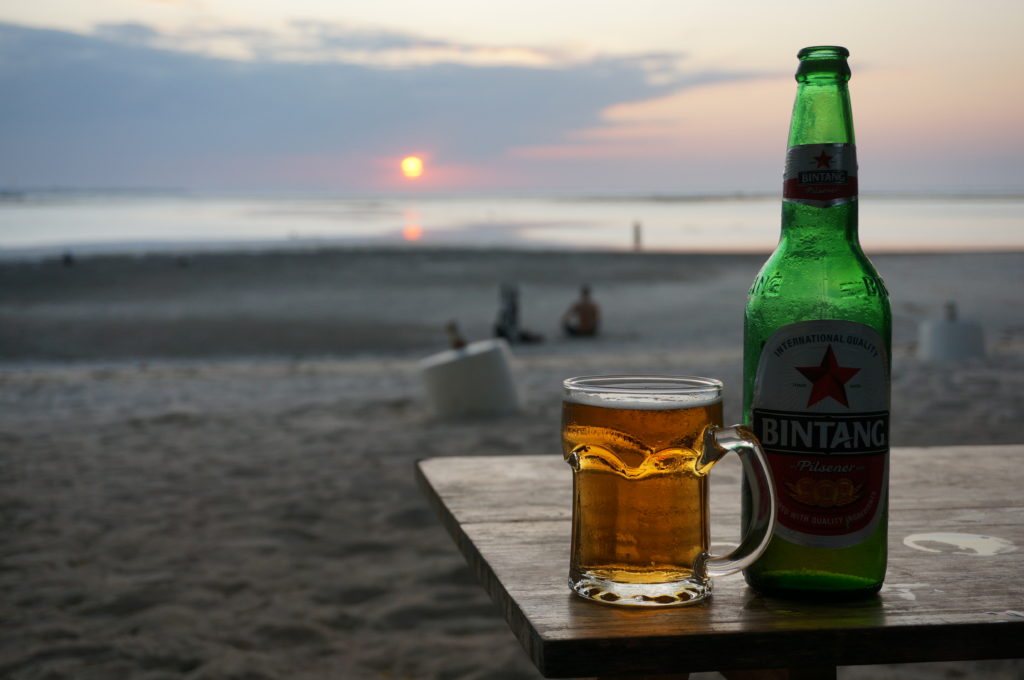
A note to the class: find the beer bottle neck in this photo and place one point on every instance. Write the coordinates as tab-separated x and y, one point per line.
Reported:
807	228
821	116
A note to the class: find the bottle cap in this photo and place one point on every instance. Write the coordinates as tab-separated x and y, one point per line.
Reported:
823	60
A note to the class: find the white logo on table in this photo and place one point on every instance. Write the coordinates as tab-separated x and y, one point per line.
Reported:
959	544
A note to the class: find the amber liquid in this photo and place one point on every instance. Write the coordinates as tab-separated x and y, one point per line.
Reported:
641	504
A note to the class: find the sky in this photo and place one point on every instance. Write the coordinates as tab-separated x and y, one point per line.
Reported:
535	96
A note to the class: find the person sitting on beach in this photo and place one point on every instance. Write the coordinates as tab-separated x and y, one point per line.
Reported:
455	339
582	319
507	324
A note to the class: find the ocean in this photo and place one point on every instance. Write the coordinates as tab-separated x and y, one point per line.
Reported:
46	223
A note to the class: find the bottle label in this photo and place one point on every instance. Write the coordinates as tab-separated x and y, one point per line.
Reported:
821	412
821	175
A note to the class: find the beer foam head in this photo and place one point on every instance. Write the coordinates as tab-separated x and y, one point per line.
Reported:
643	392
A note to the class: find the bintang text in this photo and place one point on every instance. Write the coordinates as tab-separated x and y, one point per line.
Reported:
823	433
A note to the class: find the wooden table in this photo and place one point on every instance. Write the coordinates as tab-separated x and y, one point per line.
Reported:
510	516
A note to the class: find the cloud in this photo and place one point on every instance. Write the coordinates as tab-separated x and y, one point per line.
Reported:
118	108
323	42
132	33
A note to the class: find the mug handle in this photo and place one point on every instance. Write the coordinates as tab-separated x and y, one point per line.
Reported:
719	441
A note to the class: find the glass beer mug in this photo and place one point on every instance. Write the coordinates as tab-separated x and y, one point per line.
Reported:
640	448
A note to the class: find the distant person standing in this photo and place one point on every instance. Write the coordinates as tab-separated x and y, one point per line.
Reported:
582	319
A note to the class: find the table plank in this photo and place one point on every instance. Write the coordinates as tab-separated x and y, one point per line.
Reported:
510	517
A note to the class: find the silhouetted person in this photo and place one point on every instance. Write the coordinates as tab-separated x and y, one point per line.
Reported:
507	324
582	319
68	260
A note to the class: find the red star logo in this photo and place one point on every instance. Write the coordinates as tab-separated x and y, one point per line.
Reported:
828	379
824	160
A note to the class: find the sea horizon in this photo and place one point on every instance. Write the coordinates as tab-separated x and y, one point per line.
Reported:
44	222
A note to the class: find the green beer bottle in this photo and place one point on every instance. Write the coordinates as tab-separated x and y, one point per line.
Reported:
817	338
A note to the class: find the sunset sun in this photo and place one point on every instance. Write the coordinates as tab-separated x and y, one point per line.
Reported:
412	166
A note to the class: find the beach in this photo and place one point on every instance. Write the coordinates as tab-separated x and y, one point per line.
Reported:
207	467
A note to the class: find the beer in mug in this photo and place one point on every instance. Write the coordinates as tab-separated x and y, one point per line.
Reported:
640	448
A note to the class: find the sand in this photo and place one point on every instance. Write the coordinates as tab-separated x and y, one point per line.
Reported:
206	465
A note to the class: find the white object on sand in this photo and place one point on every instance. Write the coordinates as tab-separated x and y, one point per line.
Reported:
474	380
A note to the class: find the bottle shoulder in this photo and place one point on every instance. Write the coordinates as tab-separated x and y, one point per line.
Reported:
818	272
793	286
